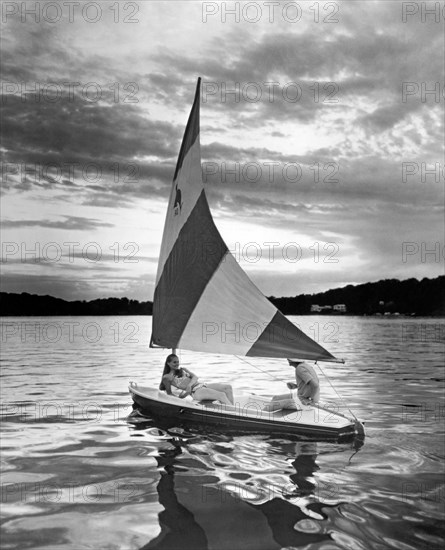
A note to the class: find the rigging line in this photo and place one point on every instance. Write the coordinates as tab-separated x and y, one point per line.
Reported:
282	380
333	387
261	370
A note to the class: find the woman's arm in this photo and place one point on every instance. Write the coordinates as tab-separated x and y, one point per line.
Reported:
168	387
190	373
168	384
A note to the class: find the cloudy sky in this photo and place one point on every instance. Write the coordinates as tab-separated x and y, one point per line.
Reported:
320	126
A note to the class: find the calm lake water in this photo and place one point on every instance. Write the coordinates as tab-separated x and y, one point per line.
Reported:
78	472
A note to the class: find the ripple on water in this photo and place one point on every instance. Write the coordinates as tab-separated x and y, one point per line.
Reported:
354	513
308	526
432	540
393	543
348	541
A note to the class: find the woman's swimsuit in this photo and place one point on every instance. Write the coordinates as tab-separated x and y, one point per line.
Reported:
197	387
181	382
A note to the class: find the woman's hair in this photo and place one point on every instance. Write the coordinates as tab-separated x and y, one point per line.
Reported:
167	370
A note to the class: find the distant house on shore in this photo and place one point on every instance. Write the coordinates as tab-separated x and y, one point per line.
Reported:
338	308
315	308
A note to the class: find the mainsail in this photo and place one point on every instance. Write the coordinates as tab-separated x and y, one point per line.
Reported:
203	300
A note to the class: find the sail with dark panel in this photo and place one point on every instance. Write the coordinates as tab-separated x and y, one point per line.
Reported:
203	300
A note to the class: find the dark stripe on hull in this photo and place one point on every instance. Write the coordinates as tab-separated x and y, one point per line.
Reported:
227	422
191	130
281	338
194	258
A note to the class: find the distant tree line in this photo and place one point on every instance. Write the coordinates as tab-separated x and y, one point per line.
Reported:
409	297
425	297
32	305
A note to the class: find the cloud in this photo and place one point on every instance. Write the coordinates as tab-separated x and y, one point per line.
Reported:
77	130
70	223
51	149
75	287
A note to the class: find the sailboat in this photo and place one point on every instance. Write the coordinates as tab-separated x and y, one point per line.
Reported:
205	302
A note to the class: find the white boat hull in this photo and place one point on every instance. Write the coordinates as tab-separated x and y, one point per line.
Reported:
249	413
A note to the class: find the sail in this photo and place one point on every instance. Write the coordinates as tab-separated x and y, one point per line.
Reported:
203	300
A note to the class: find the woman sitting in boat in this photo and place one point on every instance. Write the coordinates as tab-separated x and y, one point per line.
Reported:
185	380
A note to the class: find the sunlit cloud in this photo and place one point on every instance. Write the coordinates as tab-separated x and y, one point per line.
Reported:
311	133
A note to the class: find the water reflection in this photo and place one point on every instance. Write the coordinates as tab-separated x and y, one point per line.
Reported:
77	475
211	499
305	466
178	526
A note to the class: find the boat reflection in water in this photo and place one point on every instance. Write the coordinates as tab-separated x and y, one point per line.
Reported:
178	526
227	492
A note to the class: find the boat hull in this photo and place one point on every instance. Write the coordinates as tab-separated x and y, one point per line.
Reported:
312	423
